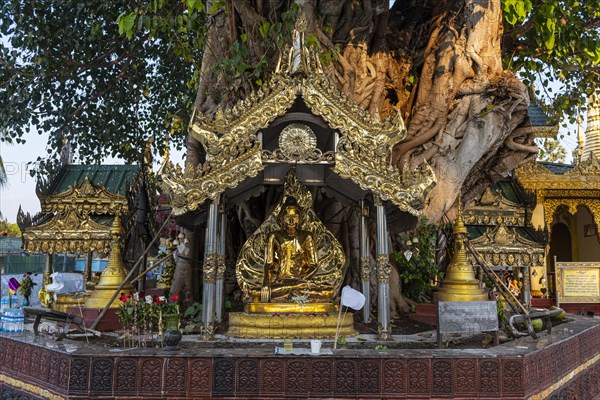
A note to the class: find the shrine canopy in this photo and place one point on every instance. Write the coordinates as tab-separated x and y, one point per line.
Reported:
558	185
78	208
297	117
499	228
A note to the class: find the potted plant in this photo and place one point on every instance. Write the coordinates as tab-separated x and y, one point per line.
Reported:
26	288
170	318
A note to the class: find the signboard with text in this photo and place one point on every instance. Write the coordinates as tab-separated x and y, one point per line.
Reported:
578	282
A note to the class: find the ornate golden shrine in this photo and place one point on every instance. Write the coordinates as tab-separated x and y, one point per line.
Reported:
297	117
71	228
579	186
85	217
234	150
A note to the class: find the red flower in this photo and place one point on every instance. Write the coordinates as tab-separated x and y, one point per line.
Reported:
123	297
156	299
175	297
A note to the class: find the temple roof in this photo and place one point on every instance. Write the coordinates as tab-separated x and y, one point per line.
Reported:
298	117
543	125
113	178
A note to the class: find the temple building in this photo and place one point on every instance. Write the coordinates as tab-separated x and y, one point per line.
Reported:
82	205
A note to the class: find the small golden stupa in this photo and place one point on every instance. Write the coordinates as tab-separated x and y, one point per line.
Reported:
459	283
112	276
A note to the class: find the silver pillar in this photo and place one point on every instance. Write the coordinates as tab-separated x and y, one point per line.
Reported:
527	286
383	275
209	271
219	292
365	260
46	280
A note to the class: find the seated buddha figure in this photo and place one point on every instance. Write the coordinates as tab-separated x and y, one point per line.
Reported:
290	256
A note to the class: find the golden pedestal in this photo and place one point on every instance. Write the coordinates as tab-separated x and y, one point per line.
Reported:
460	284
290	321
65	300
113	275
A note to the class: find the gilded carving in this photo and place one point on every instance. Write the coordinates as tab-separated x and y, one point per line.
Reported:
365	268
71	228
210	266
220	267
502	245
234	152
384	268
207	333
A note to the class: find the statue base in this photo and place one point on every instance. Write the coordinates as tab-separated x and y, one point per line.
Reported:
463	290
257	307
306	324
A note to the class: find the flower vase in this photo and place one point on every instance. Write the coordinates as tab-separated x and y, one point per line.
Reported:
25	302
172	336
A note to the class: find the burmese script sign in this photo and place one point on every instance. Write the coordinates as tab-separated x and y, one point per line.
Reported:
578	282
466	317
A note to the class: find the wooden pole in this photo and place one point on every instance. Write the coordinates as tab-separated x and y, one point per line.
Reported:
130	274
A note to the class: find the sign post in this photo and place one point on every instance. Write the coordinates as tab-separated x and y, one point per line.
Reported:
466	317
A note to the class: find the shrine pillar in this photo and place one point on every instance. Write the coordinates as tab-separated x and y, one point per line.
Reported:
365	260
209	272
383	274
220	277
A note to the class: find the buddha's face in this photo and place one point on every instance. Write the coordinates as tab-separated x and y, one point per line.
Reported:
291	219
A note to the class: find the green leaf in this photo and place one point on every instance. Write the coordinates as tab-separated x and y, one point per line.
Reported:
125	23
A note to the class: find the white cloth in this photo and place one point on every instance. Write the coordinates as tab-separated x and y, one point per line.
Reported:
352	298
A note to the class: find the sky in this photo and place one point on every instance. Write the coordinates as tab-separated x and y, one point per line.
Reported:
21	186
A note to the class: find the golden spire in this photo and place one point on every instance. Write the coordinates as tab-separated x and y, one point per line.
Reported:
459	282
113	275
592	132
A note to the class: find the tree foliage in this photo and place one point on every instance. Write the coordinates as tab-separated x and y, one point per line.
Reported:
556	44
68	69
552	151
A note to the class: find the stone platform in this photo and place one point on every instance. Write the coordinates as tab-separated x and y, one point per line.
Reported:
563	365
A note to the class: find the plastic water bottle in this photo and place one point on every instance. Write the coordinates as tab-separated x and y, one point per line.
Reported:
3	308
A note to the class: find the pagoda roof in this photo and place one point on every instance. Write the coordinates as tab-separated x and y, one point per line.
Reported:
114	178
234	142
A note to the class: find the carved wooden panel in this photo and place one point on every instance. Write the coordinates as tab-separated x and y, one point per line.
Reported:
175	375
369	376
321	381
200	374
223	376
512	376
442	376
418	376
101	380
248	376
298	376
465	376
272	373
80	368
125	376
150	375
394	376
489	376
345	377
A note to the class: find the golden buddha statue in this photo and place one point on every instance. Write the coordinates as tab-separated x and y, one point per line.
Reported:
290	271
291	259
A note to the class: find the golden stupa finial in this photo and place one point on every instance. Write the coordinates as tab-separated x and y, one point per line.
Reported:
459	225
301	22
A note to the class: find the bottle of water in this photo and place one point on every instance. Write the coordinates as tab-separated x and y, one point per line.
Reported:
3	308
